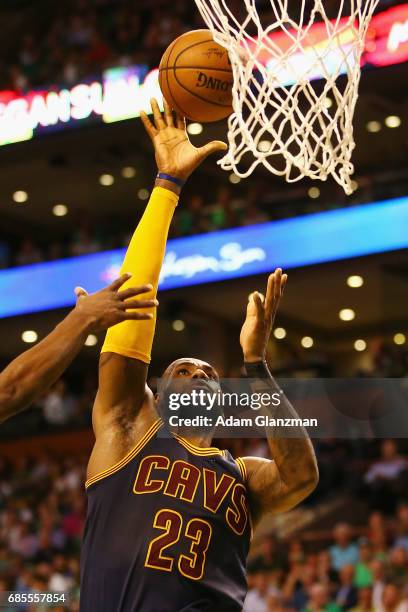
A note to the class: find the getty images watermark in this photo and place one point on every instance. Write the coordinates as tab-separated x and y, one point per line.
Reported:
248	408
204	408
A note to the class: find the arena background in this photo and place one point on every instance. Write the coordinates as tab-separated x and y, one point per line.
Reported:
76	184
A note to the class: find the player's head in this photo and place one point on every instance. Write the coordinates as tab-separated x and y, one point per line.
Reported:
187	376
190	368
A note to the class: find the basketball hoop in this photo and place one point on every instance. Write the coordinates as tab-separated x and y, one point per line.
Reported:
292	112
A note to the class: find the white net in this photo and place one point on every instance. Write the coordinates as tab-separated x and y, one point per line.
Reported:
296	82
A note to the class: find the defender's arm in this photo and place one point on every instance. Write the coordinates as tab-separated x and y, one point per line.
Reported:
27	377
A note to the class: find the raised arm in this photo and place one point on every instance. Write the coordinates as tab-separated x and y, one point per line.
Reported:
280	483
27	377
126	352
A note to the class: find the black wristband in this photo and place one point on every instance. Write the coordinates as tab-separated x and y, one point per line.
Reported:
257	369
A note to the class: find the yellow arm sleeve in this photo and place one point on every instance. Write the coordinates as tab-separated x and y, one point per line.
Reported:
143	261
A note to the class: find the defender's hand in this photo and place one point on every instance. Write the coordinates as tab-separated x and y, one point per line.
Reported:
110	306
260	316
175	155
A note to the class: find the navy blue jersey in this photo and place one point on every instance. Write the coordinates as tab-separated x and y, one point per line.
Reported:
167	530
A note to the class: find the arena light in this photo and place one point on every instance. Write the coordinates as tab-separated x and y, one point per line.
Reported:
91	340
307	342
393	121
128	172
194	129
60	210
400	339
374	127
313	193
355	281
106	180
234	179
178	325
347	314
280	333
29	336
328	102
20	197
360	345
143	194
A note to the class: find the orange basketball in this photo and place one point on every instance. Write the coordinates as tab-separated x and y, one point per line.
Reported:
195	77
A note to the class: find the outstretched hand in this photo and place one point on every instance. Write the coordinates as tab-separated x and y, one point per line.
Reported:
260	317
110	306
175	155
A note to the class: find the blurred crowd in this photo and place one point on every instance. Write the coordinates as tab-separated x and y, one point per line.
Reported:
361	565
361	568
41	521
62	42
229	206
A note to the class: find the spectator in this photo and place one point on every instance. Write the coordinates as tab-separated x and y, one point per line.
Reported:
60	579
84	243
28	253
225	212
365	601
398	566
402	525
378	569
271	557
387	477
343	551
191	220
363	573
320	600
346	596
58	405
393	600
256	600
390	466
296	589
325	573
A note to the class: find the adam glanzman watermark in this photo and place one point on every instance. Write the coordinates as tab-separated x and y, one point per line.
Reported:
217	401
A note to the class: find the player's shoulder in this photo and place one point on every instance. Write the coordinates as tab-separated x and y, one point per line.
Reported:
235	464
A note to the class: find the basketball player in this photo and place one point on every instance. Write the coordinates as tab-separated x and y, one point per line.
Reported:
27	377
169	517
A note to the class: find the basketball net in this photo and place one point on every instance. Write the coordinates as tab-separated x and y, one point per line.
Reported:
291	111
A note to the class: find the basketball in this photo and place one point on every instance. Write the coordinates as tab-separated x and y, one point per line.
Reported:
196	78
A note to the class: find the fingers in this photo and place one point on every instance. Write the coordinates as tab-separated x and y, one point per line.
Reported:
269	297
168	114
212	147
181	122
276	286
80	292
284	281
118	282
133	291
133	304
256	302
148	125
158	119
137	316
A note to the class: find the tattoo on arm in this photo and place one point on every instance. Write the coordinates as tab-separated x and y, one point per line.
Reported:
282	483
